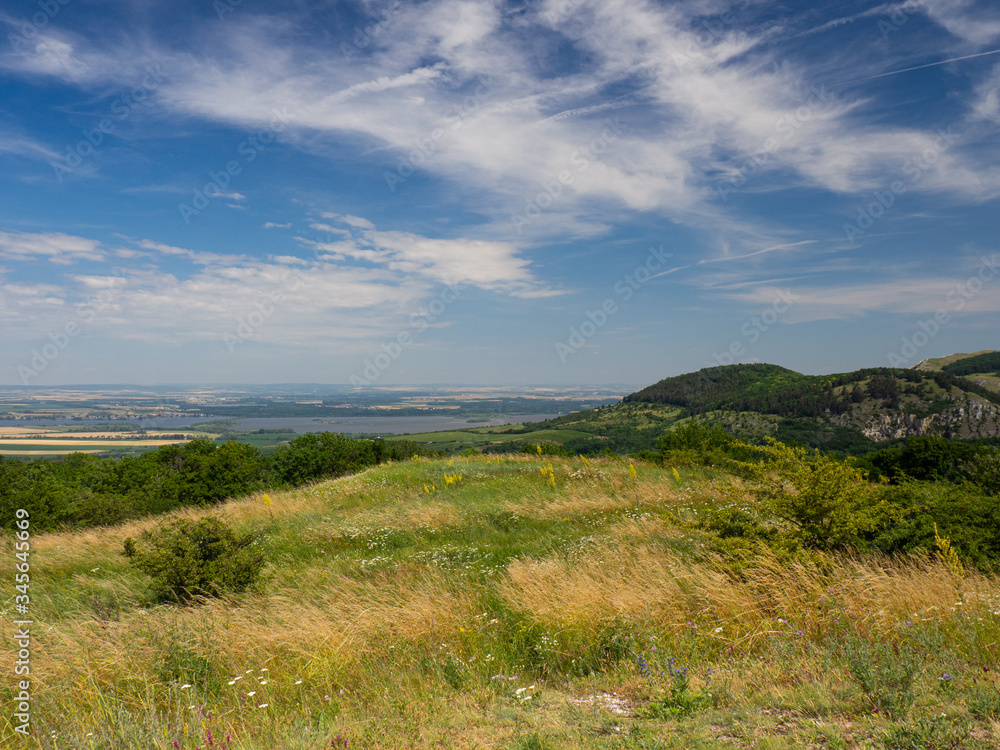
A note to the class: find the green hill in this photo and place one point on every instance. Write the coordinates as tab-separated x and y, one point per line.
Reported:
851	412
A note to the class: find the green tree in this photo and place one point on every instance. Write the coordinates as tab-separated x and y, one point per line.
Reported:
314	456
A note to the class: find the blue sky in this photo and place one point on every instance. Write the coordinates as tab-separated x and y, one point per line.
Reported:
487	192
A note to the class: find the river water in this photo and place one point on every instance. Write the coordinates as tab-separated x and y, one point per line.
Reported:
347	425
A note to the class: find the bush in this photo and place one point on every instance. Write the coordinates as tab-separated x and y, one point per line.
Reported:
546	448
697	443
827	502
188	559
984	472
925	457
962	513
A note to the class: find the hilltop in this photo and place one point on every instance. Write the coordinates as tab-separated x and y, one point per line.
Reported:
515	603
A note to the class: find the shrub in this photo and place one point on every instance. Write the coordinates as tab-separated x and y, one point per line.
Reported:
187	559
961	513
546	448
697	443
984	472
827	502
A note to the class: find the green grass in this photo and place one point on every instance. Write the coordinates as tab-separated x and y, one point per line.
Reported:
496	610
478	437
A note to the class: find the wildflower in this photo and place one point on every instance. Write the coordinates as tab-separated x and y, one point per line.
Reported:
263	705
185	686
631	470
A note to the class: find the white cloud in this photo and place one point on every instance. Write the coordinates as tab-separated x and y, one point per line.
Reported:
487	264
273	225
971	21
852	301
22	145
63	249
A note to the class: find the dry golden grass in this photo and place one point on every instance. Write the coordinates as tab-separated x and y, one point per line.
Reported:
339	618
656	587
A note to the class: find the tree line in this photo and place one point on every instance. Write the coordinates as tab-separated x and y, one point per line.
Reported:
82	490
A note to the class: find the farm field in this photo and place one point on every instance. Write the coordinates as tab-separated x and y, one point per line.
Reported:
42	441
509	602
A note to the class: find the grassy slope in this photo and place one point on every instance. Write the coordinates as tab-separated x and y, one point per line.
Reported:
937	363
986	379
494	612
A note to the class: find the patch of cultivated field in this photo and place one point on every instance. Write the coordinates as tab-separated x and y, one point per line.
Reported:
507	602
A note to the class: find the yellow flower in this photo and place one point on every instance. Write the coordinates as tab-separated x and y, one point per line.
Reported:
539	449
267	500
677	475
631	470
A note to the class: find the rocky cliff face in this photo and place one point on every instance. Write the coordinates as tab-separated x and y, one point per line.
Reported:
967	420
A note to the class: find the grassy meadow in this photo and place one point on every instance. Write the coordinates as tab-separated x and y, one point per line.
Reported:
516	602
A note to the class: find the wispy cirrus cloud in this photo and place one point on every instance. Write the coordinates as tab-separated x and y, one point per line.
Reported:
692	110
